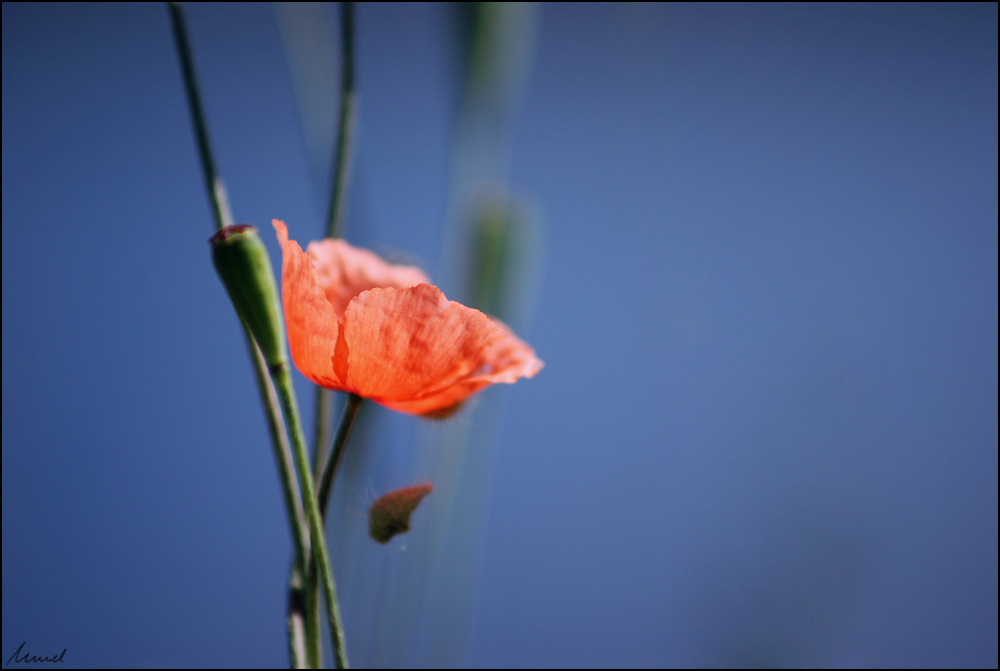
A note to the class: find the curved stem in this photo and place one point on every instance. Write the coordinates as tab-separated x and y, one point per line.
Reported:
282	452
286	393
298	645
339	443
298	636
301	640
325	484
213	183
345	124
338	201
323	414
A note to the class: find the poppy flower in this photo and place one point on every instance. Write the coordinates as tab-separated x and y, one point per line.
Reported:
358	324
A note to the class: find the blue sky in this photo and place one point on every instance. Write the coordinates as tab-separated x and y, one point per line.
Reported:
761	270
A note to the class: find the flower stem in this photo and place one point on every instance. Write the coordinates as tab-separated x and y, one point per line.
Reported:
298	637
293	505
338	201
298	642
298	632
325	485
345	124
283	382
334	226
213	183
343	434
323	414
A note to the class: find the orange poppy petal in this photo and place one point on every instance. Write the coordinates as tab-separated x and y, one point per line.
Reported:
441	400
415	351
507	360
310	318
344	271
405	342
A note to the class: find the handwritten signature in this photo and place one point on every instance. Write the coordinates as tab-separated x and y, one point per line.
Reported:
29	659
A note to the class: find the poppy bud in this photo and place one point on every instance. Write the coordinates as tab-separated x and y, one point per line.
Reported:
390	514
242	262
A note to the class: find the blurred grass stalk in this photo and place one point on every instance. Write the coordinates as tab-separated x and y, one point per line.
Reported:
492	250
504	242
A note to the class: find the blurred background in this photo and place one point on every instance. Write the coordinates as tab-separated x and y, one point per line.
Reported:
755	245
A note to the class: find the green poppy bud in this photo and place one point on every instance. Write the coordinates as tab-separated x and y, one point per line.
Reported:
242	262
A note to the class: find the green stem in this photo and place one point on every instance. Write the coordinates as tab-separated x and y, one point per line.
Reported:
282	377
282	452
313	622
338	200
334	225
298	642
323	413
343	434
321	436
325	485
345	124
297	629
213	183
299	637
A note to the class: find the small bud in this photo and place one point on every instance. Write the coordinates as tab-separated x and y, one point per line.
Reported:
390	515
242	262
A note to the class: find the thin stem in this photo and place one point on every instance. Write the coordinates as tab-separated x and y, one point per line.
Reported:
323	413
297	641
343	434
313	621
282	453
345	124
286	393
213	183
338	201
325	486
297	632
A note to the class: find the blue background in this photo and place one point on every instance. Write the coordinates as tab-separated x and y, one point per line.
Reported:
764	286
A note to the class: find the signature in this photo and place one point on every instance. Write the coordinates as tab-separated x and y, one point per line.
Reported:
28	659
